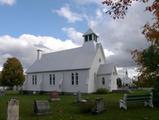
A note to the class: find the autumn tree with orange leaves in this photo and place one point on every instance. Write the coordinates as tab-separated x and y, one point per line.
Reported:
148	59
12	73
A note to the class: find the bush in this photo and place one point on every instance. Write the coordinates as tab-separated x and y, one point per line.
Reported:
102	91
156	94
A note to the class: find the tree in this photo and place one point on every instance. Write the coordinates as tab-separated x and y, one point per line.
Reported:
148	59
12	73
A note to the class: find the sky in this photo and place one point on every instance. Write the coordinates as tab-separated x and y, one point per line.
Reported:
53	25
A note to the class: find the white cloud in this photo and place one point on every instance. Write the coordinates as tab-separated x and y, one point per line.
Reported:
99	13
74	35
121	36
108	53
24	47
7	2
68	14
132	71
88	1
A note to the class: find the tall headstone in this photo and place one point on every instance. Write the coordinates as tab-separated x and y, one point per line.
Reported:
78	96
13	109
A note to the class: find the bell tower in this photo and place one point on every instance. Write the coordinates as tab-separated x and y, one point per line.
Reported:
90	36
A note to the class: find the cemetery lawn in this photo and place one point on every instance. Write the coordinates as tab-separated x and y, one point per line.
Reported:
67	109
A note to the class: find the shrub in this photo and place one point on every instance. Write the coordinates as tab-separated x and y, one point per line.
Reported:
102	91
156	94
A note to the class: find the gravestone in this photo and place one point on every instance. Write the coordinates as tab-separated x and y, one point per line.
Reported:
54	96
78	97
2	92
86	105
14	88
99	106
41	107
13	109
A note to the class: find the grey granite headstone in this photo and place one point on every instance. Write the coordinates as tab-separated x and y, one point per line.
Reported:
99	106
41	107
2	92
78	96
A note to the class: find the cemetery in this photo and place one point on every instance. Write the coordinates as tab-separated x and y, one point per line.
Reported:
76	106
52	68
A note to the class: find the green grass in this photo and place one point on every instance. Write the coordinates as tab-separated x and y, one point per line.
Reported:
66	109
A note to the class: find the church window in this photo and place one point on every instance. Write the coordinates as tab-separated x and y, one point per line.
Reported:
34	79
50	76
52	79
103	80
90	37
76	78
72	78
99	59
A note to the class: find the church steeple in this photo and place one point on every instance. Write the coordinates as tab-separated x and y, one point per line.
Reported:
90	36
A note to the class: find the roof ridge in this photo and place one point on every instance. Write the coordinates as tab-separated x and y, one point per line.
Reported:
65	50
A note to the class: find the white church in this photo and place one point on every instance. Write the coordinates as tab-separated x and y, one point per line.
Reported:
83	69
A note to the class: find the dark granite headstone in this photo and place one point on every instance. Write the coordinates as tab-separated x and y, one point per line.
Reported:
41	107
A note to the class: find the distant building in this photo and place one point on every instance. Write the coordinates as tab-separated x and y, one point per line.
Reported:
81	69
125	79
